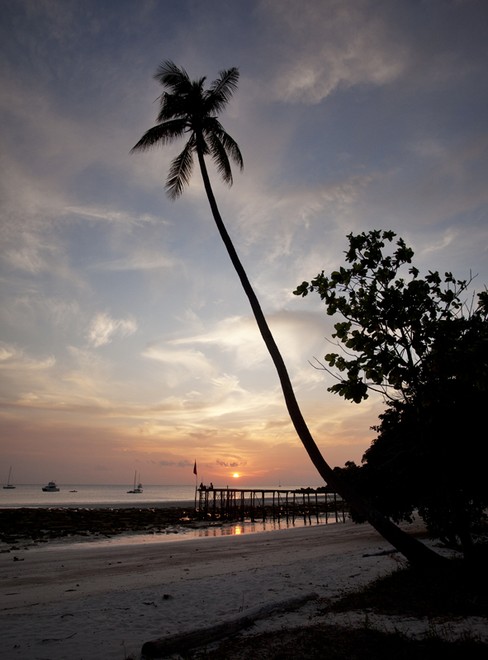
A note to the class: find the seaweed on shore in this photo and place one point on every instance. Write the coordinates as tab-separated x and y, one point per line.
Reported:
39	524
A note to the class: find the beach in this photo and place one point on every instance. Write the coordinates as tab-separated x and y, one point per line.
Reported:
65	600
85	601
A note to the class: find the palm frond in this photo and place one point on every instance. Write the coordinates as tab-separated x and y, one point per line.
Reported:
161	133
220	158
186	107
173	77
171	106
180	171
222	89
232	148
230	145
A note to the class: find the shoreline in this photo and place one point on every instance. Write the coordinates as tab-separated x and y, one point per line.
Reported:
31	527
71	602
63	603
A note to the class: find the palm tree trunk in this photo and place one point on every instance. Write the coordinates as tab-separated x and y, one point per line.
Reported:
415	551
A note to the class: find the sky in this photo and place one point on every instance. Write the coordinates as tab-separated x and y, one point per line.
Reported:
126	342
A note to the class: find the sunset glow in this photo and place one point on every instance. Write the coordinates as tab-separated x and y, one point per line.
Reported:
127	342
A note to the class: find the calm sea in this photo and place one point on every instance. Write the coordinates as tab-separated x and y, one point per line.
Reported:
73	495
32	495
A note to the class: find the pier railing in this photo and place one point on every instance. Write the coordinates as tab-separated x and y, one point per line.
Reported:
259	504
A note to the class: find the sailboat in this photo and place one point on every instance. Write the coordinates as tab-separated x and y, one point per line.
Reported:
138	488
9	484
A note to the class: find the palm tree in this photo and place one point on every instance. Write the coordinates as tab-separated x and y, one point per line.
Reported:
187	108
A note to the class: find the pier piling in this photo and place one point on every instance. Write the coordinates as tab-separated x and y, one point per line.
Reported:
258	504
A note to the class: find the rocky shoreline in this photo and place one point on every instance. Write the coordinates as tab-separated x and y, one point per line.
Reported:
43	524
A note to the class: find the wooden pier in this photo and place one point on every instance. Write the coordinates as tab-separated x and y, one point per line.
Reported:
259	504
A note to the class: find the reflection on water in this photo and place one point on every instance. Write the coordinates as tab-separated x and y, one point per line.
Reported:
237	529
212	530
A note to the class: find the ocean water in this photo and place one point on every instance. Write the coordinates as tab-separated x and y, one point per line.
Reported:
76	495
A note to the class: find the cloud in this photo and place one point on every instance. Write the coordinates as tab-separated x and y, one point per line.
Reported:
114	216
236	335
31	257
138	260
177	464
189	360
104	329
331	45
231	463
14	358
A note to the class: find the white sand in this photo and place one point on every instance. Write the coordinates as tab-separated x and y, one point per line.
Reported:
86	602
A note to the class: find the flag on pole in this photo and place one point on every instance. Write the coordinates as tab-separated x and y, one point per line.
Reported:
195	473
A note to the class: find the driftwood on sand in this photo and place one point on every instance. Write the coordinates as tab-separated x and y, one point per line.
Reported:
181	642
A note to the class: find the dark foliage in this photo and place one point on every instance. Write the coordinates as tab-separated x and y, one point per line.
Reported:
454	589
419	343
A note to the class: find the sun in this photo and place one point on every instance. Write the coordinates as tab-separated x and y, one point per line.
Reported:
236	475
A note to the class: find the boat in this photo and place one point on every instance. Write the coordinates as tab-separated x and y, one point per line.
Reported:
9	485
137	488
51	487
